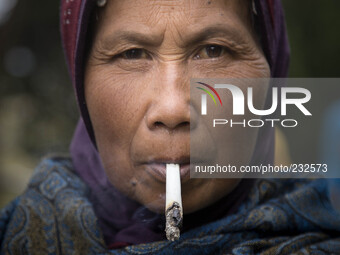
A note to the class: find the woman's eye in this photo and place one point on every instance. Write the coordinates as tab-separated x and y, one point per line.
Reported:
210	51
134	54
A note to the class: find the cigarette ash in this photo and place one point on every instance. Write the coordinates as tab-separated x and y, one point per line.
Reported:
174	219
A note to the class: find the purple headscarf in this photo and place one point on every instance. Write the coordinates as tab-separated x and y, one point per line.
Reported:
122	220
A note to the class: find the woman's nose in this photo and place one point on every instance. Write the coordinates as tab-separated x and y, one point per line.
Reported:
171	111
170	105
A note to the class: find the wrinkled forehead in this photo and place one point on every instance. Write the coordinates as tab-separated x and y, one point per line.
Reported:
158	17
147	10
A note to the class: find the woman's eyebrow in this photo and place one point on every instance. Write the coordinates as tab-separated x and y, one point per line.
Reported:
190	38
228	32
133	37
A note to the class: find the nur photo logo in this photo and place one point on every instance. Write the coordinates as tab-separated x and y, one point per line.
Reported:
281	97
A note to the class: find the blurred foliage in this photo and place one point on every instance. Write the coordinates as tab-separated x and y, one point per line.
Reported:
37	106
313	29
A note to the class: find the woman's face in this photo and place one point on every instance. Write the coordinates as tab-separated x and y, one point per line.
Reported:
137	87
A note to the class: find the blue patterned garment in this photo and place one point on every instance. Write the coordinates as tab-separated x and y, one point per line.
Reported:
54	216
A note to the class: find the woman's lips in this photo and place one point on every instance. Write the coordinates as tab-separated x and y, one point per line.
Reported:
158	171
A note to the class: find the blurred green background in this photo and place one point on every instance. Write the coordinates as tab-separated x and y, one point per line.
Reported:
37	106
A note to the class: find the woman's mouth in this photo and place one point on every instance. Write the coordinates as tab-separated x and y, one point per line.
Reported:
157	169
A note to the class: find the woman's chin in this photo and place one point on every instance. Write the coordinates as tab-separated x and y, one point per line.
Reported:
200	194
188	206
156	208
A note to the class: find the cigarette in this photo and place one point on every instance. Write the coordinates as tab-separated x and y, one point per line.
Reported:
173	204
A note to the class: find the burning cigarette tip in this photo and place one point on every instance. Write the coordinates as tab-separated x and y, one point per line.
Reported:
174	219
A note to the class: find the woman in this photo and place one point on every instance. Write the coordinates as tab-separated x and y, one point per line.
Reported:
131	63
